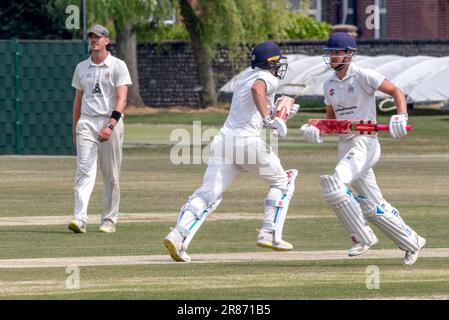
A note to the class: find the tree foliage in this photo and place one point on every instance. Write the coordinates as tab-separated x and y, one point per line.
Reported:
138	13
232	23
39	19
303	27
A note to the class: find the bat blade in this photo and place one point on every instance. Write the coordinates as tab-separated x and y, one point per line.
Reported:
284	105
332	126
340	126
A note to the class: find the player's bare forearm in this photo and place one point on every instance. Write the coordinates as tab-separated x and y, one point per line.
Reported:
120	104
397	94
330	114
259	92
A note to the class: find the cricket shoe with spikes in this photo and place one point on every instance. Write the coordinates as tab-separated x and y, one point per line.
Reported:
359	248
411	257
265	239
173	242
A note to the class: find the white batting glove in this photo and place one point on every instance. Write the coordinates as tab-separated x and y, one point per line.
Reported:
311	134
398	125
293	111
277	124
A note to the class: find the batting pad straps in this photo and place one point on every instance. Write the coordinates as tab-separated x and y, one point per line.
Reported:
276	206
347	210
389	221
335	192
192	216
274	203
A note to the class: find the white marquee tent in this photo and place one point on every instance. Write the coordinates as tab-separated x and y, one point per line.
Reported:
422	78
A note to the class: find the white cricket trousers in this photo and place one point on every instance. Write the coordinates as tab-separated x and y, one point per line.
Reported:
109	155
357	157
230	155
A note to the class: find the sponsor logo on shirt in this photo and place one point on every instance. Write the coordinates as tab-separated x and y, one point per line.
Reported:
343	110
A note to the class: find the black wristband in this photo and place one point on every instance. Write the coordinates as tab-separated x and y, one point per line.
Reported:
116	115
111	126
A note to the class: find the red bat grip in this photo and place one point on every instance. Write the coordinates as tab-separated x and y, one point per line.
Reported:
386	127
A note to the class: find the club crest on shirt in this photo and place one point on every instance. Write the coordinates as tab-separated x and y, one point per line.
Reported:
331	92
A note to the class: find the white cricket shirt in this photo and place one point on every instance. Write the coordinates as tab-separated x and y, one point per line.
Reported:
244	119
99	83
353	97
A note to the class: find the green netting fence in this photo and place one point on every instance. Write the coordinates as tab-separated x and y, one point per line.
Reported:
36	96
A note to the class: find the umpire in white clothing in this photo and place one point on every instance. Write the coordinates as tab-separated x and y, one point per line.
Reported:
101	84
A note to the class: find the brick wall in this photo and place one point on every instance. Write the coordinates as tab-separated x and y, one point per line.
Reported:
364	33
406	19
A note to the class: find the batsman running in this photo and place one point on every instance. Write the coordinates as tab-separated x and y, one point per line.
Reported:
350	94
239	146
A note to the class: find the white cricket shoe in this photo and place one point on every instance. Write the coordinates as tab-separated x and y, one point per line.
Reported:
173	242
107	227
265	239
77	226
411	257
359	248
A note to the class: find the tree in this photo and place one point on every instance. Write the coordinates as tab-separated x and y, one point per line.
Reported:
31	20
127	17
230	23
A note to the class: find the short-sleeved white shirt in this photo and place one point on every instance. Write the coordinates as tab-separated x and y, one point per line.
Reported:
353	97
244	119
99	83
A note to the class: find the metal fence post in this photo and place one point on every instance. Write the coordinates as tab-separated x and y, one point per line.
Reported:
18	95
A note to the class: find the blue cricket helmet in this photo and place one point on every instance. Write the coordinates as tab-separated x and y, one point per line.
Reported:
341	41
267	55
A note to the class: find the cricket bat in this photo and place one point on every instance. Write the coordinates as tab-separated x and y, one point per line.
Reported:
284	105
336	126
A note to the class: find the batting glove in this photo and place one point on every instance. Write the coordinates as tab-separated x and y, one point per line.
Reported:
398	125
277	124
311	134
293	111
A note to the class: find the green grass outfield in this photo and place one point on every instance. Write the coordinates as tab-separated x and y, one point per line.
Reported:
413	174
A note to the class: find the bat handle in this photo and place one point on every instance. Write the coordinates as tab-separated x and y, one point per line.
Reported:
386	127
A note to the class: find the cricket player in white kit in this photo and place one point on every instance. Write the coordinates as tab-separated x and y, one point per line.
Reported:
101	84
350	94
239	146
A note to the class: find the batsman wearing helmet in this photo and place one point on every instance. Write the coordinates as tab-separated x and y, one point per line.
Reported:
350	94
239	146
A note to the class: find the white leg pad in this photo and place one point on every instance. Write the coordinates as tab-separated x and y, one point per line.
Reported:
340	199
192	216
389	221
276	206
